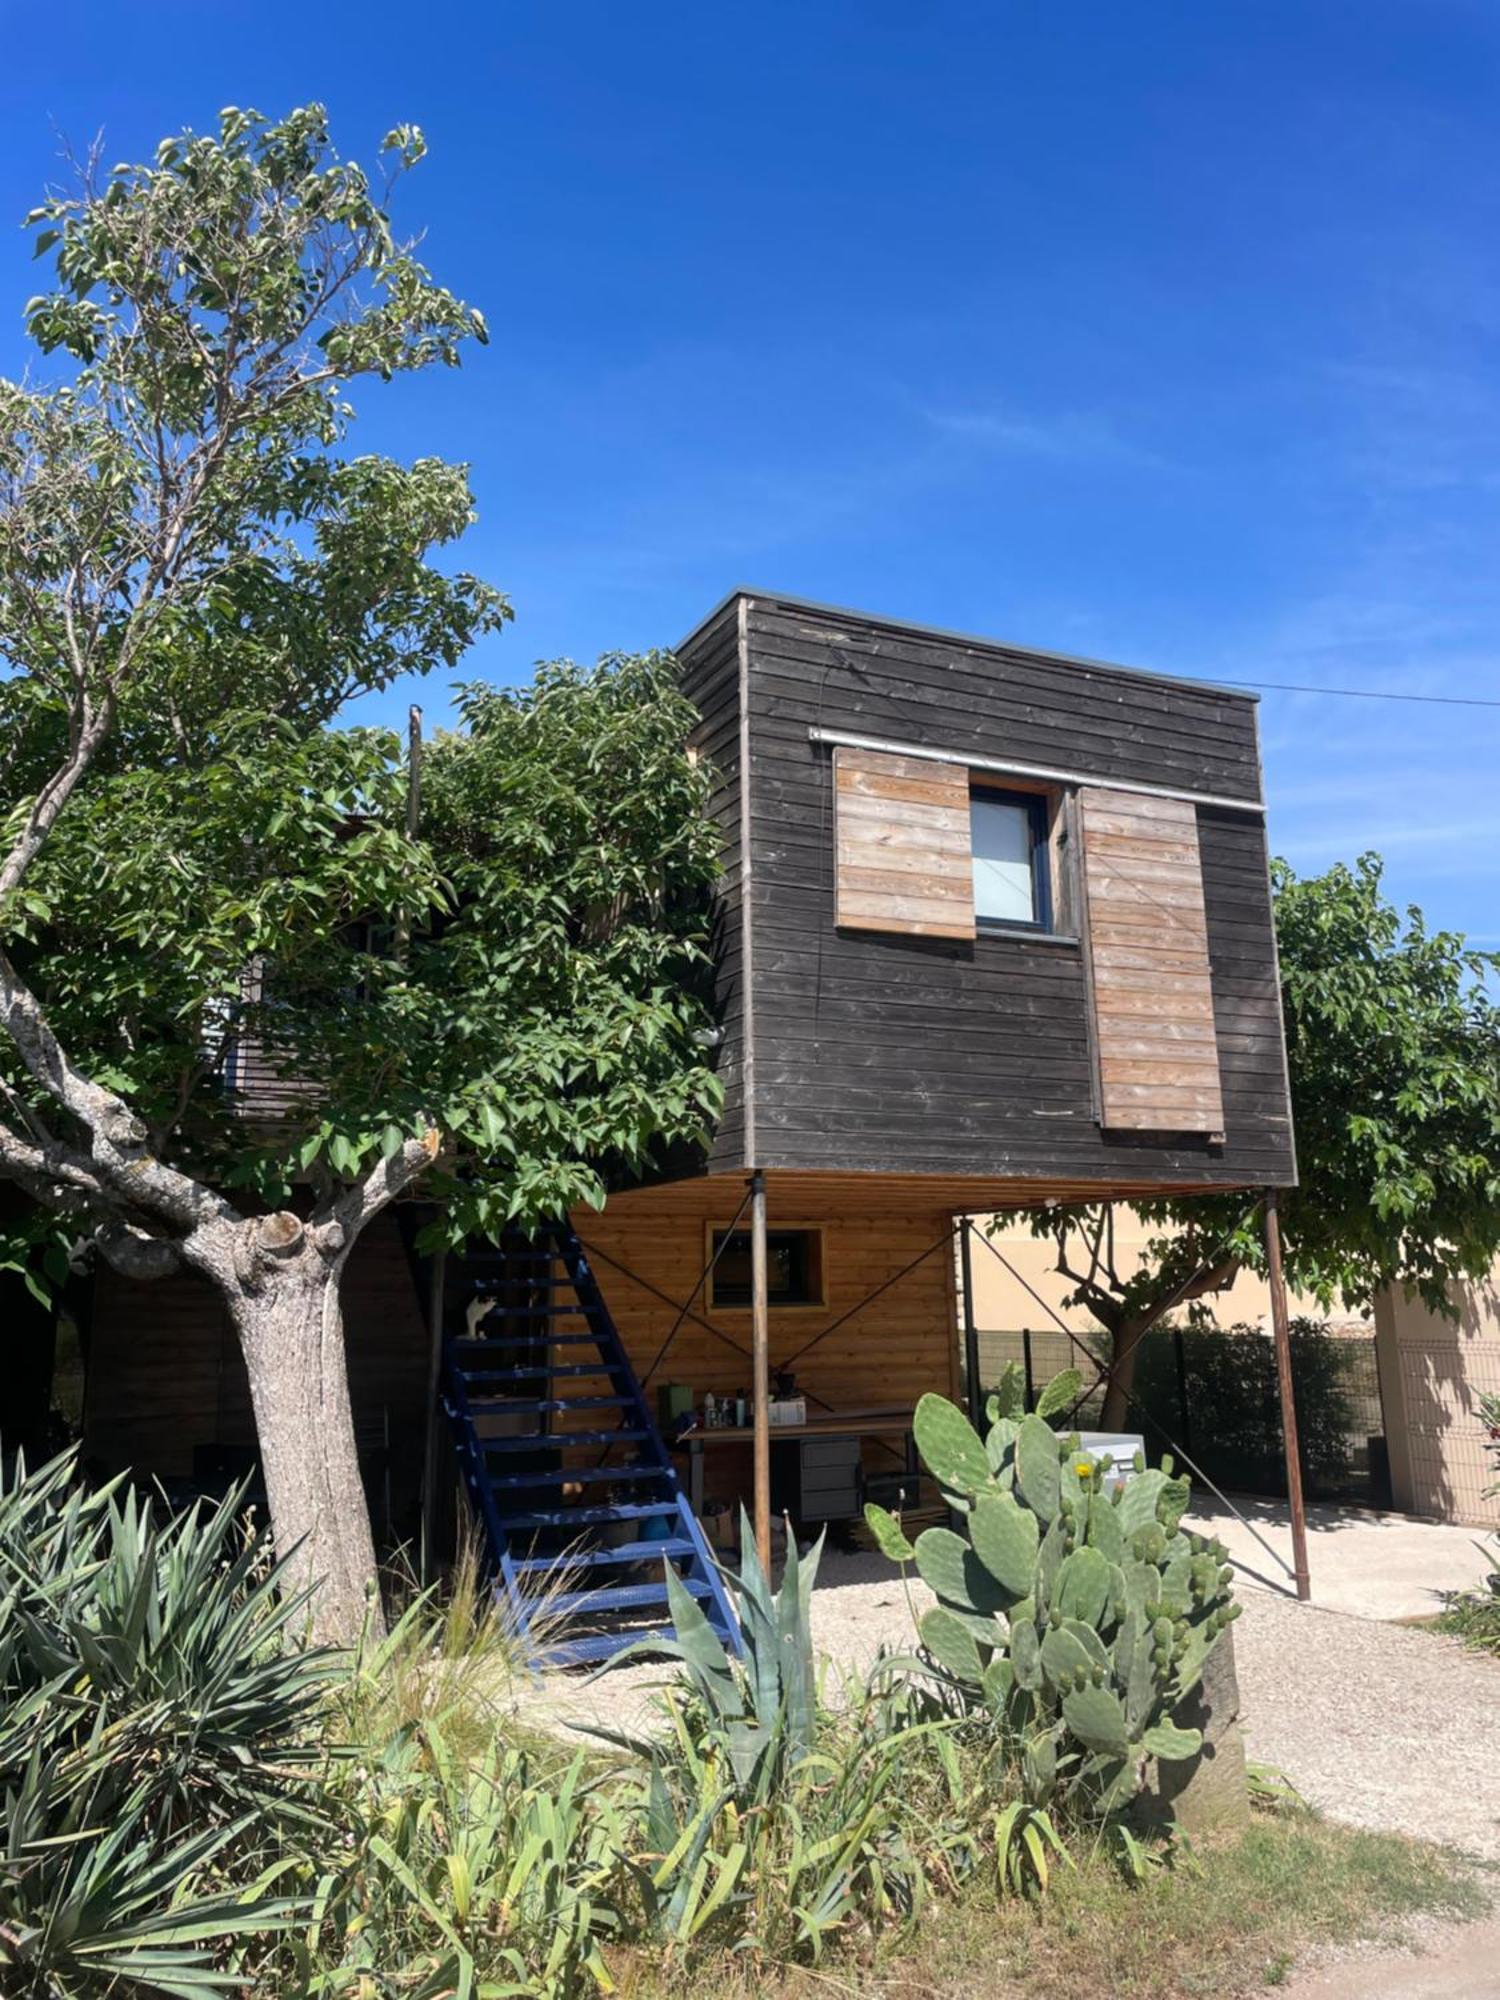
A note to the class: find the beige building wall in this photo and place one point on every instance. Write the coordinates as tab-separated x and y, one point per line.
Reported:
1002	1303
1432	1372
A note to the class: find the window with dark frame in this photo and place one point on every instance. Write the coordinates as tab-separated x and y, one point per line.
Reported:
794	1267
1008	835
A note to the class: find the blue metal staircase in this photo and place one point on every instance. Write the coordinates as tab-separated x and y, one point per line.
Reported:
568	1477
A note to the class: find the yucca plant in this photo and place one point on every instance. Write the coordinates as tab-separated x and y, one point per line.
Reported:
102	1906
157	1737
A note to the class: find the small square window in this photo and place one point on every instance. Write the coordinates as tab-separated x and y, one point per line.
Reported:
794	1267
1008	832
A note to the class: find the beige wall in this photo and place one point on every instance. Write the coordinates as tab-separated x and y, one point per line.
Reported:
1003	1305
1432	1371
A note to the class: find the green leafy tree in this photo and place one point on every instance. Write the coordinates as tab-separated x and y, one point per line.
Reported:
245	1005
1393	1047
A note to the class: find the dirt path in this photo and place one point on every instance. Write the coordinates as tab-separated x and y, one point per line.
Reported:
1465	1967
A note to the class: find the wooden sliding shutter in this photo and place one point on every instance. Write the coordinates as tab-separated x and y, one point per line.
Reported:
1148	943
903	860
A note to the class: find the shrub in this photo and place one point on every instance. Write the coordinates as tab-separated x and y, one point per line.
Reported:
461	1869
1235	1406
1474	1615
765	1819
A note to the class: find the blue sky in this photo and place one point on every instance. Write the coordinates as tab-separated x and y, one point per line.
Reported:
1156	332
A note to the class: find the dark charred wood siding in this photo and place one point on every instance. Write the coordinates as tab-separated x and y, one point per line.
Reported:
711	681
912	1055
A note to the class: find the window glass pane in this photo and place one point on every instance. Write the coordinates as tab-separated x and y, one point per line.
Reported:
1004	886
792	1274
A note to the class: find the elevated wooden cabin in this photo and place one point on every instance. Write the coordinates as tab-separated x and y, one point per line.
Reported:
994	931
996	924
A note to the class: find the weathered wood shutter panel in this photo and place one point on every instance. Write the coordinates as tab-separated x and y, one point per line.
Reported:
1148	944
904	861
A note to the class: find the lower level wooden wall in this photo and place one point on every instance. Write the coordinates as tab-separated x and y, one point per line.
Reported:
889	1350
165	1377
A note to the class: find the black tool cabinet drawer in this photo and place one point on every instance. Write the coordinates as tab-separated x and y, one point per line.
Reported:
816	1479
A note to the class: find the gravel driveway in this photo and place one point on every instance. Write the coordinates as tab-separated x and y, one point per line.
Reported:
1381	1725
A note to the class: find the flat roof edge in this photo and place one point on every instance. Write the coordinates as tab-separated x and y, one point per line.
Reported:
1082	660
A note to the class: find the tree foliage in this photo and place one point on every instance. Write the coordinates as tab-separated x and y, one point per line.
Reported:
244	1004
192	582
526	975
193	578
1393	1049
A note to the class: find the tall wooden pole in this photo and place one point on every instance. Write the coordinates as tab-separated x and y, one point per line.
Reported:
760	1367
1283	1329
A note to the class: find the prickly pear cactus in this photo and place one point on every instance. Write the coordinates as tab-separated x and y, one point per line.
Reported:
1075	1607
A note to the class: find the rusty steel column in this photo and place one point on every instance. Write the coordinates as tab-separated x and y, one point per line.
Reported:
1277	1280
760	1367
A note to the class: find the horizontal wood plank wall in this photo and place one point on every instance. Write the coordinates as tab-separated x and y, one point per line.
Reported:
935	1056
711	681
267	1091
890	1352
904	852
165	1373
1148	943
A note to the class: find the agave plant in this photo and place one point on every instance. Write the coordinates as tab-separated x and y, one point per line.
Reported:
769	1819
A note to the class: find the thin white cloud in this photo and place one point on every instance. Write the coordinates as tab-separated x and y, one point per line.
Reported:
1070	436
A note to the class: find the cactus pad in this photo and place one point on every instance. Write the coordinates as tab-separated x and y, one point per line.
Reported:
1083	1586
1005	1539
951	1644
951	1448
1038	1473
1171	1744
1096	1716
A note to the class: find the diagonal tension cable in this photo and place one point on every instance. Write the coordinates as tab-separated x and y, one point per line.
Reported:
1131	1397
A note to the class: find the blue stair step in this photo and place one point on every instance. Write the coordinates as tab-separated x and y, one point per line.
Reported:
498	1311
622	1552
584	1517
530	1439
626	1597
567	1475
559	1403
584	1652
532	1371
527	1343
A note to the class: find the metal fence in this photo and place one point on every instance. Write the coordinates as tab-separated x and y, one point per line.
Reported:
1213	1395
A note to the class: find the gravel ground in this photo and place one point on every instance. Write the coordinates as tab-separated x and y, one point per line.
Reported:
1380	1725
1384	1726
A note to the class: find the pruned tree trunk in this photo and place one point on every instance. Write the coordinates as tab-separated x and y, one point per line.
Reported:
280	1281
292	1335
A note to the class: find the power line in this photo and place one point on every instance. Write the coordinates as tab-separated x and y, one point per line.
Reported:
1367	694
